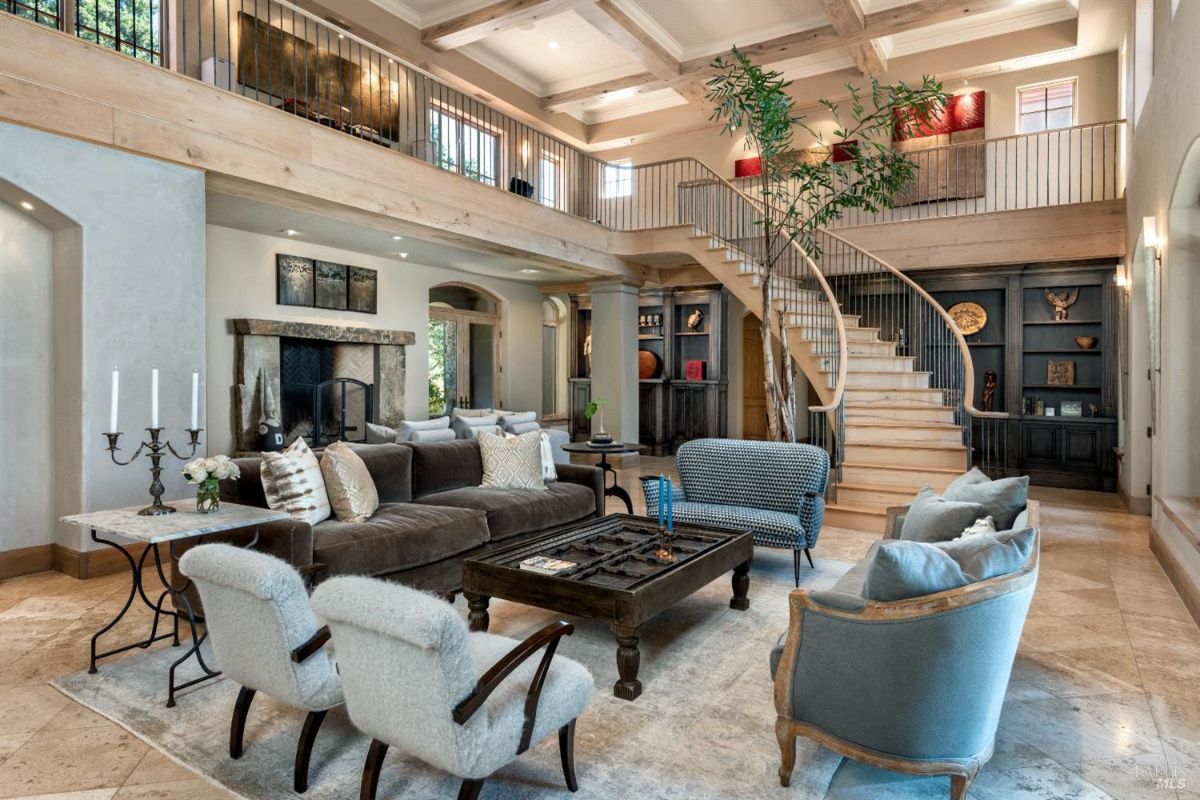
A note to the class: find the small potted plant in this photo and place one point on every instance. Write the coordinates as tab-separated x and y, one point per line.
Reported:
595	409
206	474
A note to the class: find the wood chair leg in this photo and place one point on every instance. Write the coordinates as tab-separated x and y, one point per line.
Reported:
370	776
796	566
470	789
308	735
237	728
808	555
959	785
566	750
787	749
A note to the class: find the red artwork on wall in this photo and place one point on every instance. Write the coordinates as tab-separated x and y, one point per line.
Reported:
963	112
841	151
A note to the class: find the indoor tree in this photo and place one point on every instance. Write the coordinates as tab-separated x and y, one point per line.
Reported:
801	195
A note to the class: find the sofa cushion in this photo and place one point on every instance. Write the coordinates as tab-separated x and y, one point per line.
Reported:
409	427
399	536
508	418
437	435
770	528
989	555
521	427
391	467
512	462
381	434
247	489
1002	499
898	570
292	482
511	512
471	412
441	466
933	518
352	493
976	475
462	425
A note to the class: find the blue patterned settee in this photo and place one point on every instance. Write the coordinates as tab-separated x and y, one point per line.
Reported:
775	489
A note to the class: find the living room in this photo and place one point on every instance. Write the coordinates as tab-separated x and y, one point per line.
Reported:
481	328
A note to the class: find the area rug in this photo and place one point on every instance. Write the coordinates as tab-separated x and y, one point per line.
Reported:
703	728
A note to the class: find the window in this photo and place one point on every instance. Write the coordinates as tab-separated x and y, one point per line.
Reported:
548	181
618	179
132	27
44	12
463	147
1046	107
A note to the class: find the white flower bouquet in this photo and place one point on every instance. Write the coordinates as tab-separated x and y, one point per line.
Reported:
220	468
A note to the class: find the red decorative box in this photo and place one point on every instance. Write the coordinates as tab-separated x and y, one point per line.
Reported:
694	370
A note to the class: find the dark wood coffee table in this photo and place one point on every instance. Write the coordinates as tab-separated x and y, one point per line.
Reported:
618	580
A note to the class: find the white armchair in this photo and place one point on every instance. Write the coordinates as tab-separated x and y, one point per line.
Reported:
266	638
466	703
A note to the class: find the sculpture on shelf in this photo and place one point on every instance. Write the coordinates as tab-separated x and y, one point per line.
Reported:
270	428
969	318
1060	373
587	353
695	321
989	390
1061	302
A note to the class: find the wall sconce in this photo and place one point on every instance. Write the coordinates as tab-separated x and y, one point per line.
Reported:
1122	277
1150	238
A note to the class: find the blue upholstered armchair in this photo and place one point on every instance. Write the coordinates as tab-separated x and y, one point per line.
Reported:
775	489
913	686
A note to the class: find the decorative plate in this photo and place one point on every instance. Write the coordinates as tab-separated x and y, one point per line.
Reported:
968	317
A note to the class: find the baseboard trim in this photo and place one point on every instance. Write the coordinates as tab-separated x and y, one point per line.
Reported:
1134	505
84	564
26	560
1188	591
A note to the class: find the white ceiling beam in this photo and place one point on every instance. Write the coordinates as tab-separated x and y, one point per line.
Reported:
489	20
823	39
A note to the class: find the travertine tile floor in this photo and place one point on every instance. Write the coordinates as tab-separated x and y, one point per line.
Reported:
1103	701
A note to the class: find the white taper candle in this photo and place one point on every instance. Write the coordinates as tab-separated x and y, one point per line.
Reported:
195	398
112	406
154	397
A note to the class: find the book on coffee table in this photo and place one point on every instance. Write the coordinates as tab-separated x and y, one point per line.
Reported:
546	565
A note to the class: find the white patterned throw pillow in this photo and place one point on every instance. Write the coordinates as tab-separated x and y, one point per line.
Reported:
349	484
293	483
512	462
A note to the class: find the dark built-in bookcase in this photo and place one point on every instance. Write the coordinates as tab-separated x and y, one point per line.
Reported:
1020	339
671	408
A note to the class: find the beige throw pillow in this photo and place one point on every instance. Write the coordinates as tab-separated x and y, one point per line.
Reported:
292	482
350	486
512	462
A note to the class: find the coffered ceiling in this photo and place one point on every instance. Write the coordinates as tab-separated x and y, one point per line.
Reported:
601	60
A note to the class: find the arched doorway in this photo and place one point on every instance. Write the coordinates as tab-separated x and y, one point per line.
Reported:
554	358
464	348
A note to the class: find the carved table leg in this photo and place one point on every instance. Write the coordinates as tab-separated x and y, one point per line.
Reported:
741	587
628	661
478	618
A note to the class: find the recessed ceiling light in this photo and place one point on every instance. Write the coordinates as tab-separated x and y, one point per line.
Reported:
397	238
402	255
552	45
28	206
530	270
289	232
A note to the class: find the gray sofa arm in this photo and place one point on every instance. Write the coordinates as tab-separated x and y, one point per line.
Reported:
584	475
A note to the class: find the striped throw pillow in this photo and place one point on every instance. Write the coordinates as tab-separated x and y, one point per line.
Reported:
293	483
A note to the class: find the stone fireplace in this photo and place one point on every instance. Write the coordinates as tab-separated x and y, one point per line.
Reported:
312	354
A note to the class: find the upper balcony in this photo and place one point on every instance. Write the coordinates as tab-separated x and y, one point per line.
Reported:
280	105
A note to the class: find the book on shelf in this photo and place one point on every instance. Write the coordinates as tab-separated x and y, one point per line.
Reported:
546	565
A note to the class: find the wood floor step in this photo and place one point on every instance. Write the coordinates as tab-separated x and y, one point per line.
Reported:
886	433
873	496
895	412
876	348
939	456
859	379
855	518
874	396
885	363
910	477
852	334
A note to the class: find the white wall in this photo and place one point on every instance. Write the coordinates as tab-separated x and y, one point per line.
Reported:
26	377
133	297
241	283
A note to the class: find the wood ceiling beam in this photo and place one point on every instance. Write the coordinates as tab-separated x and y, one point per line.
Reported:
476	25
624	32
823	39
848	19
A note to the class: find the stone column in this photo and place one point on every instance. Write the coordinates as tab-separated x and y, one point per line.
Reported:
614	356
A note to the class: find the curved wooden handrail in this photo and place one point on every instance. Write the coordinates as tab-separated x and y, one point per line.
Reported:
968	364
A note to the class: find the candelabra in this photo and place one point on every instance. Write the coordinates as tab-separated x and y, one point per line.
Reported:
155	450
666	545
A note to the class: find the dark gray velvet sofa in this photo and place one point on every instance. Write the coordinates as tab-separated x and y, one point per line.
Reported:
432	515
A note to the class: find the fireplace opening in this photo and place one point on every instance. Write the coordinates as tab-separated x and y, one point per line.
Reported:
318	399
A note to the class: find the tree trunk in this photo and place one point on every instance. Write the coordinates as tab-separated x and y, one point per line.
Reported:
770	382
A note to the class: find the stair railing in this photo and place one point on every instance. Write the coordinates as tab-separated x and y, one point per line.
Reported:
887	299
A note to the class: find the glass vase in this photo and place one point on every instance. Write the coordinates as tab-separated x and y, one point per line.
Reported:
208	496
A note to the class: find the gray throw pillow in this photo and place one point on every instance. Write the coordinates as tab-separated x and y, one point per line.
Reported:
462	425
515	417
976	475
474	431
989	555
439	435
407	427
933	518
899	570
1002	499
380	434
472	412
522	427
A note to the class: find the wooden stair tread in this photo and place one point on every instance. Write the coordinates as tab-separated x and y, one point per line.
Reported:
835	506
872	487
903	468
867	423
903	406
909	445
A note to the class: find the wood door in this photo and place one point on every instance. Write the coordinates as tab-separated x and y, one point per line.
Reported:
754	402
